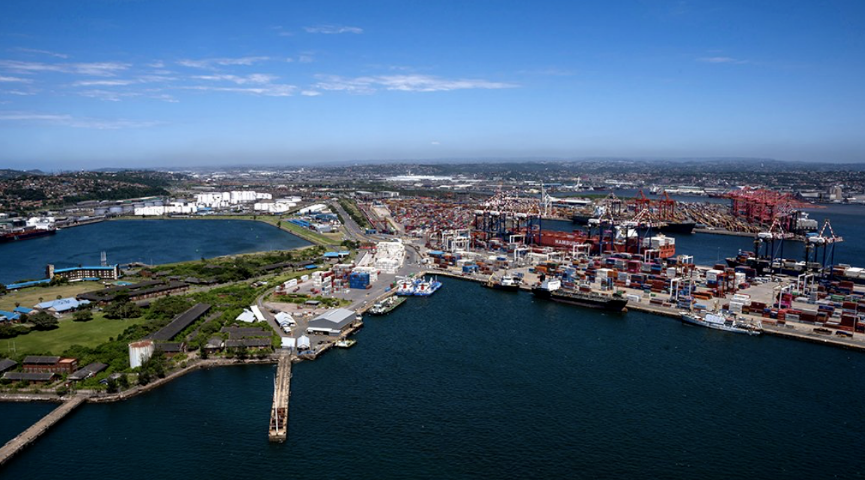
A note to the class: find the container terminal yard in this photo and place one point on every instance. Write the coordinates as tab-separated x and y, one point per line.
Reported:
621	253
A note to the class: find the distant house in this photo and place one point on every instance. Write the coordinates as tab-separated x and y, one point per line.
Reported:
9	316
84	272
62	305
214	344
171	348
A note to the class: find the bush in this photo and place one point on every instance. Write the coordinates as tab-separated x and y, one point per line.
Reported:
43	321
82	316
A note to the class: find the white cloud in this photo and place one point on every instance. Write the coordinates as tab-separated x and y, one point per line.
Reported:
210	63
255	78
332	29
107	95
71	121
102	83
271	90
157	64
310	93
20	93
14	79
404	83
98	69
434	143
40	52
721	60
305	59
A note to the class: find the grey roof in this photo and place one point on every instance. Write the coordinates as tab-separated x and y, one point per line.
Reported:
134	291
6	364
88	371
180	322
214	342
335	319
239	332
248	342
40	360
28	377
171	347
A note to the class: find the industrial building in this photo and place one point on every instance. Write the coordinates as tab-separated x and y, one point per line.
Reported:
140	352
48	364
7	364
333	322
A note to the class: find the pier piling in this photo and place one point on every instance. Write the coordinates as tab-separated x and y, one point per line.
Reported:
281	392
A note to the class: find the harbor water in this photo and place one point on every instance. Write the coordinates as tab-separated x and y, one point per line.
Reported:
146	241
480	383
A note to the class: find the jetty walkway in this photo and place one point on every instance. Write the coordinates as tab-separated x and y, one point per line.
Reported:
37	429
281	392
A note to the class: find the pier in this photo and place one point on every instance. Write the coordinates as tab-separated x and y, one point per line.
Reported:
281	392
37	429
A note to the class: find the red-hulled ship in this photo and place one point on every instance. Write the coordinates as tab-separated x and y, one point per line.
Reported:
25	233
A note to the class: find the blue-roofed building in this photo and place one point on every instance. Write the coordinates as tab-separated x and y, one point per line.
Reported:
110	272
63	305
9	316
23	310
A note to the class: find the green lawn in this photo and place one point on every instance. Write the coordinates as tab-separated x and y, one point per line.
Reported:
89	334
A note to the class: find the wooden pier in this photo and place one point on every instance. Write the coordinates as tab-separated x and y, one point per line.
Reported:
281	392
37	429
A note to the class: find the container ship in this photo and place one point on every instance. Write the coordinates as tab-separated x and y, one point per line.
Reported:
718	322
551	289
25	233
686	228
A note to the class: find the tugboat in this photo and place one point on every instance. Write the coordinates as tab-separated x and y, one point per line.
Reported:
386	306
551	289
507	283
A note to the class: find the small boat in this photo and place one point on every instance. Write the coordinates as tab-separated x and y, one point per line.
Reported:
345	343
386	306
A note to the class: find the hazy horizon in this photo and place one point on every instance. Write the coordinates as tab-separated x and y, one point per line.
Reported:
99	84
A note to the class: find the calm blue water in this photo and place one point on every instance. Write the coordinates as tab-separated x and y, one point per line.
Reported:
483	384
148	241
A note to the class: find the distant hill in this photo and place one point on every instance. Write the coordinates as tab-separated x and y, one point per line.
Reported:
8	173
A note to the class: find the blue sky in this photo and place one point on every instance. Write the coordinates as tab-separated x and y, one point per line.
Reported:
174	83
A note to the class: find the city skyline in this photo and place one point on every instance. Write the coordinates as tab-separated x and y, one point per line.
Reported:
141	84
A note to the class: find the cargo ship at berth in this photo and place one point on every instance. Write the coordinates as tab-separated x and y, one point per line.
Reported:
25	233
419	287
686	228
551	289
718	322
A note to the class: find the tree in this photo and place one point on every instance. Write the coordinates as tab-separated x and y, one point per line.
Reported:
83	316
3	290
43	321
122	309
167	307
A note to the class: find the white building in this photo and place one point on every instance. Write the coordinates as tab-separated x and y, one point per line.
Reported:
318	207
140	352
177	207
218	200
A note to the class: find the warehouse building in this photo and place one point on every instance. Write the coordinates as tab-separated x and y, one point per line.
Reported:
333	322
48	364
73	274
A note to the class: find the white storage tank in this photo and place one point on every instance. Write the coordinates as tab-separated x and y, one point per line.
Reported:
140	352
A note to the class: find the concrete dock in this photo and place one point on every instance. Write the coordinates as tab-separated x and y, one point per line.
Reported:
278	431
37	429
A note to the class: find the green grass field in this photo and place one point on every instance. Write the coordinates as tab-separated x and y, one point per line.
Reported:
30	296
89	334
